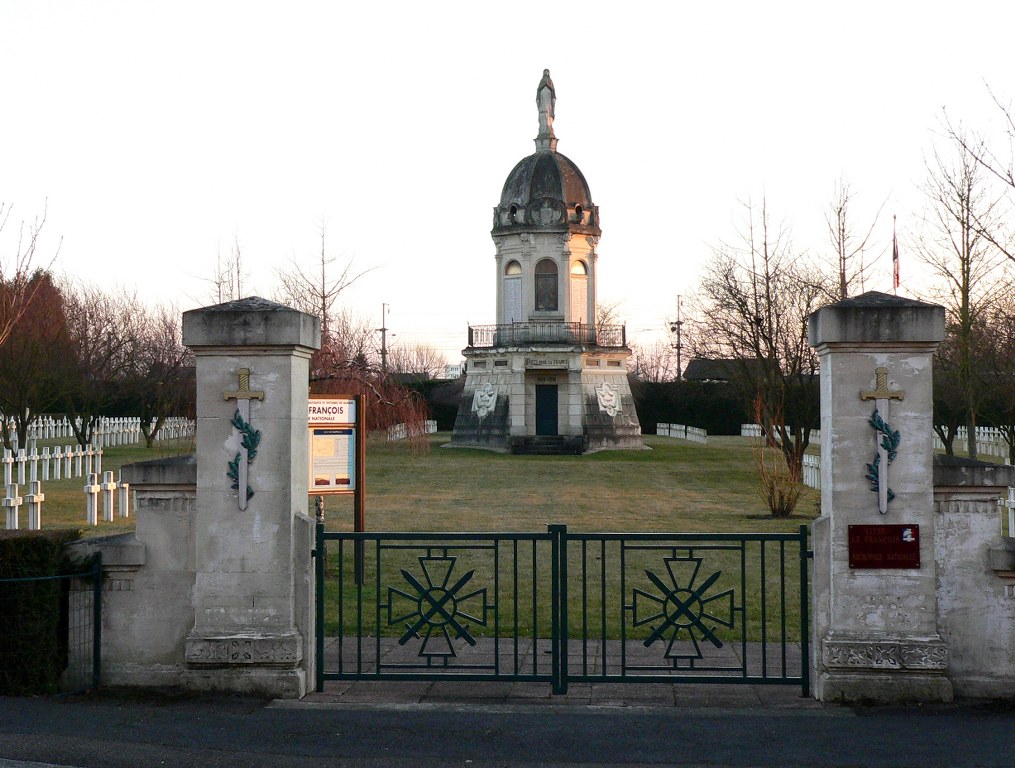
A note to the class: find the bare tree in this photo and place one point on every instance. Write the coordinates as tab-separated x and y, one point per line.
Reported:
953	246
849	247
345	363
105	330
316	292
160	374
754	300
420	359
18	268
653	362
1000	164
996	361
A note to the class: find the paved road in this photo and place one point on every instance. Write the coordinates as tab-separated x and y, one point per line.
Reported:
117	731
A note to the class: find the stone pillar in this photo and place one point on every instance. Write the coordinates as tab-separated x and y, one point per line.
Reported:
252	614
875	626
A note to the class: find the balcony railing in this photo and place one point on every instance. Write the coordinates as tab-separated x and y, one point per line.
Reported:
547	333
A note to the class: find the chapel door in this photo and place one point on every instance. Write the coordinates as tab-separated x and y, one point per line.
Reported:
546	409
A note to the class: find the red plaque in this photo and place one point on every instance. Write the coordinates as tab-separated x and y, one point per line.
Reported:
884	546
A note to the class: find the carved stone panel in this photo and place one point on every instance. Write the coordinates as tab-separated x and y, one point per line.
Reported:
885	654
219	651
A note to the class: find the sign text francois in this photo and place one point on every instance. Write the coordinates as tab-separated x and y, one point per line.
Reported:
332	448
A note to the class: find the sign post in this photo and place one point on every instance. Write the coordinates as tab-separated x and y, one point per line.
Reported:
337	453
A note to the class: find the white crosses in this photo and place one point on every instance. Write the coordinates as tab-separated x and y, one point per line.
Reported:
11	503
8	462
34	501
92	500
124	501
45	464
1009	504
108	486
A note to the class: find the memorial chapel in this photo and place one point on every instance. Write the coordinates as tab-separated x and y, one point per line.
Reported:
546	378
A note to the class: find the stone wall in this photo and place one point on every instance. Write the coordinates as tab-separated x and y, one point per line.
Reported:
149	577
976	577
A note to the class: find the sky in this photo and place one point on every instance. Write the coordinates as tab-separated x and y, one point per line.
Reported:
157	135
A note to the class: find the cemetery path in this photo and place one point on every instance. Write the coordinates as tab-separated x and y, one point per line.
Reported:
116	730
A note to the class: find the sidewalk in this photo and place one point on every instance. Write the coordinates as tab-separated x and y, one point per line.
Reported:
509	656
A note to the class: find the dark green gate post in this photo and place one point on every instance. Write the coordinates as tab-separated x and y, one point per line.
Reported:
97	620
558	581
319	596
805	629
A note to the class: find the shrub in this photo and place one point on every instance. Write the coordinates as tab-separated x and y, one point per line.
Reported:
33	614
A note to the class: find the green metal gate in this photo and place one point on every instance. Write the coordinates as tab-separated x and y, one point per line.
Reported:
560	607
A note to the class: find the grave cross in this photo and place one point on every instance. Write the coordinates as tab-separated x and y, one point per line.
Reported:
243	396
881	395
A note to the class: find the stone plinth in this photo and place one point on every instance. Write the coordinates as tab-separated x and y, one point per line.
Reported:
875	628
251	585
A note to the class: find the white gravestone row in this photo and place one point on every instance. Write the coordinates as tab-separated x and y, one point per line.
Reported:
69	462
109	432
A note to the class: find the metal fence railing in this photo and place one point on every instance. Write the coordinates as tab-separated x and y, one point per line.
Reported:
51	632
557	607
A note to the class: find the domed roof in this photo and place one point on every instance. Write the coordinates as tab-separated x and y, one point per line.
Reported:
546	174
546	189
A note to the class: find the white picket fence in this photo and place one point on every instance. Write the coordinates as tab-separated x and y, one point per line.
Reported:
812	471
109	432
682	432
989	442
755	430
812	479
402	431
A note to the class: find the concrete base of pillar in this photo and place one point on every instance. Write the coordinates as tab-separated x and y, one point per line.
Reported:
882	687
258	681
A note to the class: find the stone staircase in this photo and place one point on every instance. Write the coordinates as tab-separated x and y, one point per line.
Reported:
547	445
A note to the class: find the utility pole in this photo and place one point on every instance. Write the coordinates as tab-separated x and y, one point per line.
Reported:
675	328
384	337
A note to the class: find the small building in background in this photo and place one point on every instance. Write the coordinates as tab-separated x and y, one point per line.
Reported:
546	378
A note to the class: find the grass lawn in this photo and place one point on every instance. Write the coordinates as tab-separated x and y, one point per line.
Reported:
677	486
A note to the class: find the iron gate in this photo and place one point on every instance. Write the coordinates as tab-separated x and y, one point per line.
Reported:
562	607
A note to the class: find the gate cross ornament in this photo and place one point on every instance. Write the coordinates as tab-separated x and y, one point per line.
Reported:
243	396
881	395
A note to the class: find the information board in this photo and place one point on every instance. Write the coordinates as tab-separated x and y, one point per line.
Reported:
332	449
884	546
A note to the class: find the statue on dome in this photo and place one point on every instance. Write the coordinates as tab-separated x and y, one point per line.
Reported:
546	99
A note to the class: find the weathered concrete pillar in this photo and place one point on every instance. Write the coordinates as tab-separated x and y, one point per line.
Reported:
875	617
252	536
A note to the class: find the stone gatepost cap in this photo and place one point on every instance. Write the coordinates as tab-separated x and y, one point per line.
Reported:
877	317
250	322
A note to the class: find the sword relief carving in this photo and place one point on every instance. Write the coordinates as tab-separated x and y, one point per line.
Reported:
250	438
887	439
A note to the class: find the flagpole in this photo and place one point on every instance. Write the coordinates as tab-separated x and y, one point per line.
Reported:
895	259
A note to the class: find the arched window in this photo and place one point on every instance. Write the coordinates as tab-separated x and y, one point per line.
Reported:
579	292
546	286
512	293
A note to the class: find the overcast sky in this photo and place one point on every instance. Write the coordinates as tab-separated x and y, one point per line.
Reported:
159	132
